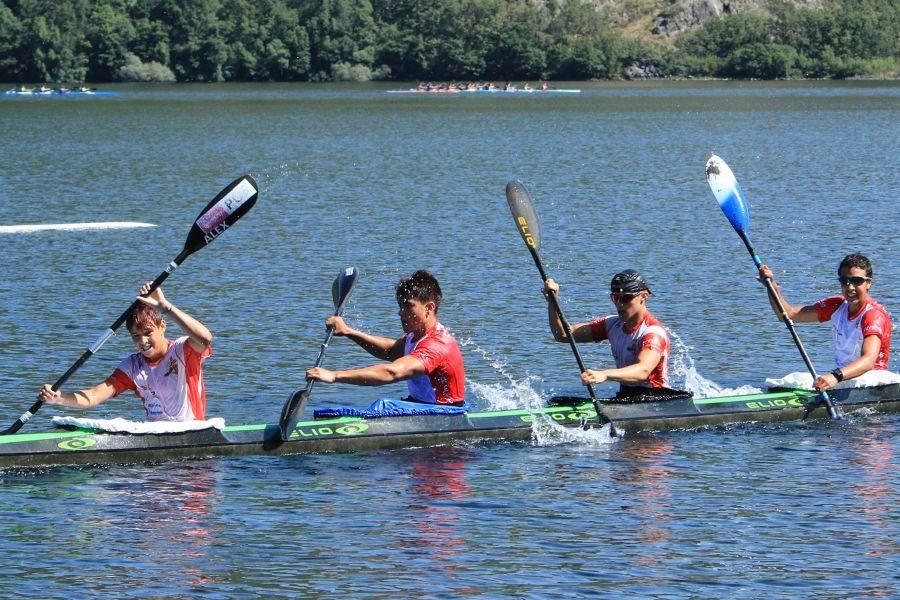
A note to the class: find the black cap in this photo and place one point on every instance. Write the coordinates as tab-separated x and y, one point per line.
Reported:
628	281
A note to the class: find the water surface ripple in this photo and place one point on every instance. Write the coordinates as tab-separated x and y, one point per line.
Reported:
351	175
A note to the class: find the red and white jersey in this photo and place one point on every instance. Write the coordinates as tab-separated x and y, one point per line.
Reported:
445	382
850	331
172	388
627	345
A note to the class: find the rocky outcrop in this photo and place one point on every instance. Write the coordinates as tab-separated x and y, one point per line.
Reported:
670	18
642	70
693	13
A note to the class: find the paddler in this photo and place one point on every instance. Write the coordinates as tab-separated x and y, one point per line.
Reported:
166	375
639	342
426	356
861	327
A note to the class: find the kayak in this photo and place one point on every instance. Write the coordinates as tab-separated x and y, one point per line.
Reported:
492	91
58	93
352	434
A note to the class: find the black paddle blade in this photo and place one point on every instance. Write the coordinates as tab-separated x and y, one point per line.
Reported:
523	212
222	212
343	285
291	412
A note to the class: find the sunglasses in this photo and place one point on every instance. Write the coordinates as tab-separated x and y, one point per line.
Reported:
623	298
853	280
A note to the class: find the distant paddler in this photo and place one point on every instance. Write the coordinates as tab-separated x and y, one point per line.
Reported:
861	327
167	375
639	341
426	356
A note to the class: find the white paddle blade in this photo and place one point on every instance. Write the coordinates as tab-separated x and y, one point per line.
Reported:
728	193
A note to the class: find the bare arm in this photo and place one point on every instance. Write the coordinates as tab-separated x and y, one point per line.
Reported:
199	337
379	347
80	399
638	372
797	314
580	331
870	348
405	367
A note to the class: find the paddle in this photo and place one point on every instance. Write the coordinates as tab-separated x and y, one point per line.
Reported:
222	212
529	227
736	208
294	407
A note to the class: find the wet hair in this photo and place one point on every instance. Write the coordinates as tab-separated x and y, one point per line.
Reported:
421	286
856	260
143	316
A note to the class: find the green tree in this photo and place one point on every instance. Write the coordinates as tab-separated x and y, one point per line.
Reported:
109	35
582	44
198	50
518	49
409	34
287	52
10	42
761	61
340	31
53	47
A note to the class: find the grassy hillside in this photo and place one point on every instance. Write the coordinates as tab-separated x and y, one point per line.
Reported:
59	41
761	38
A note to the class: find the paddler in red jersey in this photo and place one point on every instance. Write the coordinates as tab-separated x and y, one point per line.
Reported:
426	356
861	326
166	375
639	342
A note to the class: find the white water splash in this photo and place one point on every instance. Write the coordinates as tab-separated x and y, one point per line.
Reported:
681	368
527	394
267	179
547	432
519	395
72	226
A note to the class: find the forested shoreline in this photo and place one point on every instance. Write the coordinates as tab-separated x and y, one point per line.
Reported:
406	40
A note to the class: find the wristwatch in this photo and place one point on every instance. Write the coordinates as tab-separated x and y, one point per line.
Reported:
838	374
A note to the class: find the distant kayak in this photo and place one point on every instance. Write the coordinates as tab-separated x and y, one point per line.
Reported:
72	226
482	91
57	92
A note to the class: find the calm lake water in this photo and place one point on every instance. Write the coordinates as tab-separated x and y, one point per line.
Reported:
351	175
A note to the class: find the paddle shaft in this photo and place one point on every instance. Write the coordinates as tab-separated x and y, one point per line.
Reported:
832	411
296	404
17	425
330	334
562	319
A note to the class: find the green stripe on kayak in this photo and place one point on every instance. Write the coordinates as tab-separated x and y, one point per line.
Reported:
796	395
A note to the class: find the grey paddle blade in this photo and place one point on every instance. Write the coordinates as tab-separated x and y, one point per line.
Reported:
343	285
291	412
523	212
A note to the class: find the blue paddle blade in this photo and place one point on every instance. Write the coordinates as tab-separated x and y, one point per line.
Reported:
728	192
